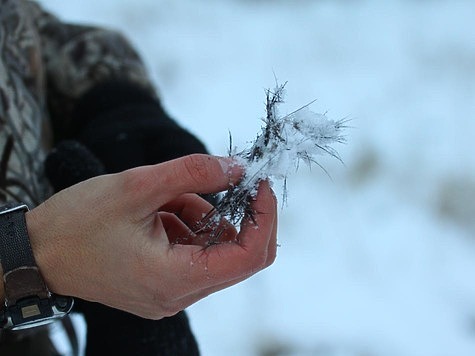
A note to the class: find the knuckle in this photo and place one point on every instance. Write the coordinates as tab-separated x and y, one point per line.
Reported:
158	303
168	308
257	262
157	313
197	167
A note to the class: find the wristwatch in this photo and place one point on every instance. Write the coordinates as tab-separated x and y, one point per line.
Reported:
28	302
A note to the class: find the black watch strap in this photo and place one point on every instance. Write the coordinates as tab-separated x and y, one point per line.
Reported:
15	248
21	276
28	302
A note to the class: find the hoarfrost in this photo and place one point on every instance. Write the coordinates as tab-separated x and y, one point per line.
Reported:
277	151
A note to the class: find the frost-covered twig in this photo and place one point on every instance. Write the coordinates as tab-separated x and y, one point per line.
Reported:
283	143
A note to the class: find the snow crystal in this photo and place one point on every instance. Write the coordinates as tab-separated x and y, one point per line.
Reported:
276	153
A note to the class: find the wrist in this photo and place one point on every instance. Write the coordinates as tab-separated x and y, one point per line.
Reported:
27	300
43	251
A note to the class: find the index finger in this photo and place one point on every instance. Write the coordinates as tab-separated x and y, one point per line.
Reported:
156	185
230	261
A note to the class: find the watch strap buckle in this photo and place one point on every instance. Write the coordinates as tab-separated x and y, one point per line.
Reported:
23	282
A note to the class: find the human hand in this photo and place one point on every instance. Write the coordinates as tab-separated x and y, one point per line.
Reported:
114	239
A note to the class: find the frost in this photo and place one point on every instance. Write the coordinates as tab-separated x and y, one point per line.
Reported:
280	147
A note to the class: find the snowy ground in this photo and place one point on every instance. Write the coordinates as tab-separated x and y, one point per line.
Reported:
380	260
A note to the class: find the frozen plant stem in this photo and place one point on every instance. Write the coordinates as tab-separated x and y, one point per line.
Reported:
276	152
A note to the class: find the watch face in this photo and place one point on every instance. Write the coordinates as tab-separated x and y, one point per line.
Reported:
33	312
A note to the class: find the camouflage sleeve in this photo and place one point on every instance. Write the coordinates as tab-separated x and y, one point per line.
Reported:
79	58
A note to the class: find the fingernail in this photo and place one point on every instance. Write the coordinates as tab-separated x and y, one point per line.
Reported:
231	168
225	164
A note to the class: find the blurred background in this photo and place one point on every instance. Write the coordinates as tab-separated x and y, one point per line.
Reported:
380	259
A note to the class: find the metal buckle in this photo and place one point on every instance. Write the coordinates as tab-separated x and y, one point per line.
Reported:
34	311
11	208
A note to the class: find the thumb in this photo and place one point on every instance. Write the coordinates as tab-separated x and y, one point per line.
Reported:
156	185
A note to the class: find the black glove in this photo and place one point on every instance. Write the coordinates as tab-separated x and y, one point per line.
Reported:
125	126
69	163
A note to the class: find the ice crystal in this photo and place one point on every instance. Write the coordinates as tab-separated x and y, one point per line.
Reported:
277	151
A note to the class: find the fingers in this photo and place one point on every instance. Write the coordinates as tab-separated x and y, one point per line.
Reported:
200	174
264	220
232	269
272	247
153	186
176	230
191	208
198	215
175	275
229	261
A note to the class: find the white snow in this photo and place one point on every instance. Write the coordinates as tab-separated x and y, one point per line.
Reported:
380	259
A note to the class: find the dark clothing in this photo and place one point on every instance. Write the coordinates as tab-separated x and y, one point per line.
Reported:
81	96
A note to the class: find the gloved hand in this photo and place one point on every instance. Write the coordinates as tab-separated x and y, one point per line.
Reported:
69	163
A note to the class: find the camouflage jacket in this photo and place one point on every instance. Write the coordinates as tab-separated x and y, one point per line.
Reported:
45	66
